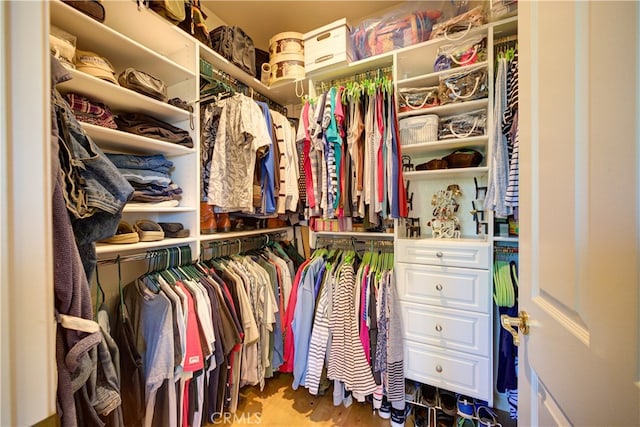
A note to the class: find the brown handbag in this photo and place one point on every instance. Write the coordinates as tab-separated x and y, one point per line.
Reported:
463	158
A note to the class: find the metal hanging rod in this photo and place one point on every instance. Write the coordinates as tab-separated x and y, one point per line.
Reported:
358	77
239	245
506	39
506	249
352	243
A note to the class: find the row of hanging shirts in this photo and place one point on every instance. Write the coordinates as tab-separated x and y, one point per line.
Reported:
351	159
191	336
342	327
249	158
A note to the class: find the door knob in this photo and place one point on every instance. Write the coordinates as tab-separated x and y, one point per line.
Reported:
510	323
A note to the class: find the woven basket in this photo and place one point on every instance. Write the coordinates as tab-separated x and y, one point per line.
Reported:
463	159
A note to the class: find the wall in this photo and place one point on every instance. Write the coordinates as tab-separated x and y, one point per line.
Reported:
27	322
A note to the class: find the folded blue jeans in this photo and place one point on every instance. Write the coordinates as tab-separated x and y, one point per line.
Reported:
156	162
145	176
92	182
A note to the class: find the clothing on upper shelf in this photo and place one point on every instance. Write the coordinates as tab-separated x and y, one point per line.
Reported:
254	154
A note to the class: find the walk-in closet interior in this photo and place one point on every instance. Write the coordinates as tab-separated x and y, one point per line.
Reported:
309	221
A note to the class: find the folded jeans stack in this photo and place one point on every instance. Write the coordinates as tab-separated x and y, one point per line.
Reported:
150	177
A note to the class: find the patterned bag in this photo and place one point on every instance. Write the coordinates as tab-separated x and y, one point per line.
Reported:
463	22
466	125
465	85
465	52
417	98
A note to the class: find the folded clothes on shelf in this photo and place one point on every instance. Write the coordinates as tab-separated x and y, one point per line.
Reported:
150	127
91	111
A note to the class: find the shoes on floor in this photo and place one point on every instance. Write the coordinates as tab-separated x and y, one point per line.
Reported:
385	410
410	391
124	234
448	402
466	407
428	395
148	231
486	417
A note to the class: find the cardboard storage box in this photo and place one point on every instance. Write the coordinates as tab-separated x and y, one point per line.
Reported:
328	46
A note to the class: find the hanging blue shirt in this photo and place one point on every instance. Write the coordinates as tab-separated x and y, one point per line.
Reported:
267	165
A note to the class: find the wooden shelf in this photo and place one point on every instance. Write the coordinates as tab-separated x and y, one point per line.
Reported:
447	173
433	79
103	249
449	109
118	141
156	209
450	144
120	99
120	50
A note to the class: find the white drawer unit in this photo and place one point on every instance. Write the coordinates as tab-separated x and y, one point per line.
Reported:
438	252
461	372
461	288
446	328
444	288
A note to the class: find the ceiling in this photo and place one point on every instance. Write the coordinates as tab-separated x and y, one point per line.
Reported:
261	20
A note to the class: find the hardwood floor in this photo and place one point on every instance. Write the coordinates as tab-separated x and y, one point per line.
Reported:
278	405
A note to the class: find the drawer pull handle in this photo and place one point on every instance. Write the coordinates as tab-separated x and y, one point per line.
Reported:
439	369
438	287
439	327
439	254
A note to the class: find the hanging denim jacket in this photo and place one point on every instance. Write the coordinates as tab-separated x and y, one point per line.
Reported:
95	192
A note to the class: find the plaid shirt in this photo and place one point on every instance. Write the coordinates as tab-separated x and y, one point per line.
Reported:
89	111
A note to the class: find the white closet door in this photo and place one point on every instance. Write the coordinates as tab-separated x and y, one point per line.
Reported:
579	218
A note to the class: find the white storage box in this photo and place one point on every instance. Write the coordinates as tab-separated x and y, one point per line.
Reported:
417	129
328	45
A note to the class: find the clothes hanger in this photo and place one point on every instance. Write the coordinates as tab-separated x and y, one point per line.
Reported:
100	297
122	306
